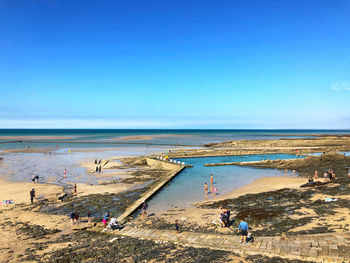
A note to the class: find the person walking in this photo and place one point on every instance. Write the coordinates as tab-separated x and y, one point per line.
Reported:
243	228
32	196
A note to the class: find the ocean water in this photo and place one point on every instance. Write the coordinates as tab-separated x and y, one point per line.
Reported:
188	186
105	138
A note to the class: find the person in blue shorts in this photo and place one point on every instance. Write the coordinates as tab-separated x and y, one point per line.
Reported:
243	228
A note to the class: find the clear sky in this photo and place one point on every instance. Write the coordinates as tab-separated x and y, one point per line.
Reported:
175	64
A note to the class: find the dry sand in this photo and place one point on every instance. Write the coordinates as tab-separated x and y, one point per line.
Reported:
19	191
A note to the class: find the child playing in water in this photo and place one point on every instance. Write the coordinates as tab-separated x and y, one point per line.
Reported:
205	187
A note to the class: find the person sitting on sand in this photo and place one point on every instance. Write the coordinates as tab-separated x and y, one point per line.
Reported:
105	219
37	179
243	228
99	169
310	180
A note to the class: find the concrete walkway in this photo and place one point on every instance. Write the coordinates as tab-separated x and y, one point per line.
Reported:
150	193
331	247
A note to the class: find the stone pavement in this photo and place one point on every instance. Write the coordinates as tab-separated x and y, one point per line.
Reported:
332	247
146	196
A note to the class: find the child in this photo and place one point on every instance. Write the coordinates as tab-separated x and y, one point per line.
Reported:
215	190
105	219
177	226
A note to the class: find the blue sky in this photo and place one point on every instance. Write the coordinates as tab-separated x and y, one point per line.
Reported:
174	64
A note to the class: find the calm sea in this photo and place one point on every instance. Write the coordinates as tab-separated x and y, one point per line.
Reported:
106	138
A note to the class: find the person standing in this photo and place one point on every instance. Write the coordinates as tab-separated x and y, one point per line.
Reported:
206	188
144	210
75	188
32	195
215	190
65	173
99	169
243	228
211	182
177	227
89	216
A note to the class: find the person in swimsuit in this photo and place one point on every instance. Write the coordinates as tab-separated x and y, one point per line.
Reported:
206	188
65	173
75	188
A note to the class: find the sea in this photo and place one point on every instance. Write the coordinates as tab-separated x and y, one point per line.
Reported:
107	138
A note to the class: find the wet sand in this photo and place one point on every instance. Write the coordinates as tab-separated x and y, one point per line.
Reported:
147	137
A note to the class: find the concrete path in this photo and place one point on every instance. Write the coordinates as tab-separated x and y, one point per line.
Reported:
150	193
331	247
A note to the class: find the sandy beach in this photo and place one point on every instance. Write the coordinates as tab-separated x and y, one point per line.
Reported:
124	179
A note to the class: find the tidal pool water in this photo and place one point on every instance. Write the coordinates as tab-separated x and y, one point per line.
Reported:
188	187
50	168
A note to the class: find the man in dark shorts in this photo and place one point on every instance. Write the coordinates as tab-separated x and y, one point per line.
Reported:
32	195
243	228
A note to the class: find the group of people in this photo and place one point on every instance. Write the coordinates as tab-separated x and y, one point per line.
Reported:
212	188
328	175
224	217
98	168
74	217
113	224
35	178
